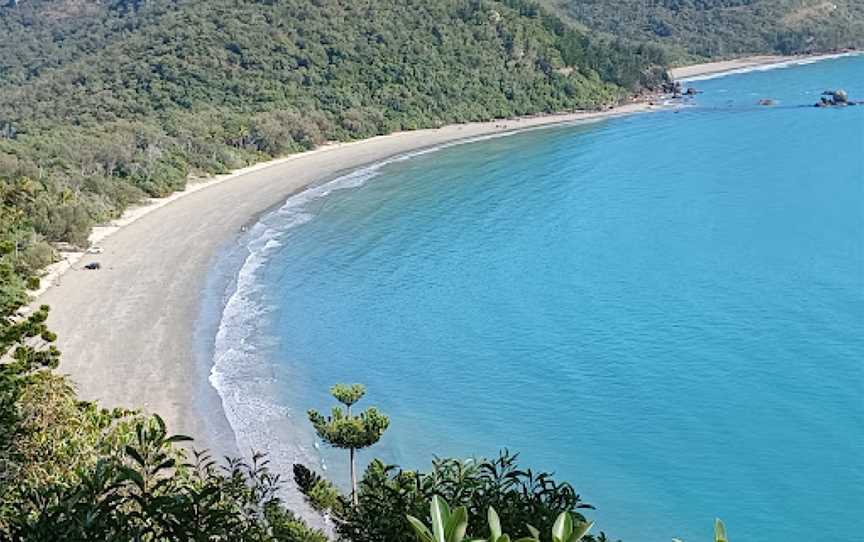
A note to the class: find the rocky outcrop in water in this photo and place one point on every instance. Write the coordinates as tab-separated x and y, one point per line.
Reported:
677	90
835	98
840	97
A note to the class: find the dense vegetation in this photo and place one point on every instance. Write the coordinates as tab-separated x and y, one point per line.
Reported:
387	494
105	102
72	471
451	525
702	29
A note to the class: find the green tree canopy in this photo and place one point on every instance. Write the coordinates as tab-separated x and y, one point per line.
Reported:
348	394
705	29
348	431
105	103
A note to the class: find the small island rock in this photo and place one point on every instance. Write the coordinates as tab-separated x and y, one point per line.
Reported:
840	97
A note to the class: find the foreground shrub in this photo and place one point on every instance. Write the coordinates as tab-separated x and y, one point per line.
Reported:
146	494
451	526
319	492
386	494
72	471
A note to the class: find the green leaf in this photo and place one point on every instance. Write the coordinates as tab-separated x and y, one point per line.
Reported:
440	513
160	423
167	464
535	532
494	523
131	474
420	530
719	531
457	524
563	528
580	530
134	454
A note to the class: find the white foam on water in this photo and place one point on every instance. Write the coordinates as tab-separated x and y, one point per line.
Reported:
765	67
241	373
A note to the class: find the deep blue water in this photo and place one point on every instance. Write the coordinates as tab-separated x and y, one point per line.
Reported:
667	310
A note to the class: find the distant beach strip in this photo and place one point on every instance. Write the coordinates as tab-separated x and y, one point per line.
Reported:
723	68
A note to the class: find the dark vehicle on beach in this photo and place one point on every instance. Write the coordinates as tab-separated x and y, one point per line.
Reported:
94	266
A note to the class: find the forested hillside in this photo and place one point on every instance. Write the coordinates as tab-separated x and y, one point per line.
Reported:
103	102
700	29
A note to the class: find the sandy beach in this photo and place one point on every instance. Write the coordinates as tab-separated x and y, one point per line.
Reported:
126	331
746	64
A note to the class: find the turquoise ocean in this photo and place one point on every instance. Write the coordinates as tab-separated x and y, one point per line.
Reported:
665	309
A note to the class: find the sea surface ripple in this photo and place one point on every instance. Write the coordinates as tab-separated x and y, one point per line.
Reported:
664	309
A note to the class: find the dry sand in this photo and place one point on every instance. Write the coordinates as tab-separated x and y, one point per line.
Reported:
747	64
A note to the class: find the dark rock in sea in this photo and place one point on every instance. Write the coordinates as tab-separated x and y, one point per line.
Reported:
692	91
834	98
767	102
840	96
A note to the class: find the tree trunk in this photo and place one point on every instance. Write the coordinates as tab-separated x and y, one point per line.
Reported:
353	479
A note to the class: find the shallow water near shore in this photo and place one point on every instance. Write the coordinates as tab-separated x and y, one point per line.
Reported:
664	309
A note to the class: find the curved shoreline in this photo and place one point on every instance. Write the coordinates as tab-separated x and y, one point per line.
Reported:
131	334
127	331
